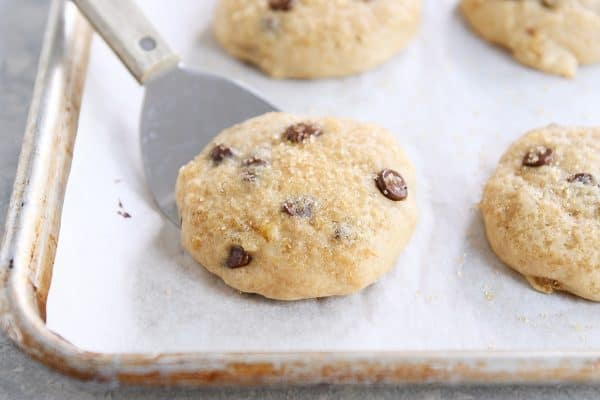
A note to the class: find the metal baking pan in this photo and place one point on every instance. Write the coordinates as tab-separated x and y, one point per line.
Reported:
32	234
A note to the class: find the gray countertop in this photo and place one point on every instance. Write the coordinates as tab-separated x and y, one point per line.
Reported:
21	29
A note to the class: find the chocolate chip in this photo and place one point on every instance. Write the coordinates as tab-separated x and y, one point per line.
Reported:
238	257
11	263
251	167
219	153
342	232
299	207
281	5
254	162
582	177
392	185
537	156
549	3
300	132
249	175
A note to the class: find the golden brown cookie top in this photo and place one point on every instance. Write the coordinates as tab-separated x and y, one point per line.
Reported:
315	38
554	36
308	199
542	207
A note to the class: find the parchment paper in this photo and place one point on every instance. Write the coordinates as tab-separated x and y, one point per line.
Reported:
455	103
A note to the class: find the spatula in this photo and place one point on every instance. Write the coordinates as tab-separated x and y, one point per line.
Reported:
183	109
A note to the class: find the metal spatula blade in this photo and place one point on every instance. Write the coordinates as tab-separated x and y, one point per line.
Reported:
183	109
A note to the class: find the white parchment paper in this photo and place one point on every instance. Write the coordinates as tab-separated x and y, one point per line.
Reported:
455	103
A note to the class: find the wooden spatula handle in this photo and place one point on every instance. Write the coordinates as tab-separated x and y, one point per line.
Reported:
132	37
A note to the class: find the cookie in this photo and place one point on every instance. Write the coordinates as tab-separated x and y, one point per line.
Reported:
541	209
315	38
554	36
293	208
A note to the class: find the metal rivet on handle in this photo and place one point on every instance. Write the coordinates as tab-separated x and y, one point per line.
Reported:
147	43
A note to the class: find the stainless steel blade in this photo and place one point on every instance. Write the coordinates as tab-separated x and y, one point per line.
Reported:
183	110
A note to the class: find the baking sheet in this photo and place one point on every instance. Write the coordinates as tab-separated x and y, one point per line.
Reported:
124	284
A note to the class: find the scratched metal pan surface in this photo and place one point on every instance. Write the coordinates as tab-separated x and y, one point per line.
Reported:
32	234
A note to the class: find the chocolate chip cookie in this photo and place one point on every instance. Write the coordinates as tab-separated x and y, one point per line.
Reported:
292	207
554	36
315	38
541	209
